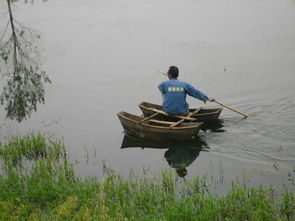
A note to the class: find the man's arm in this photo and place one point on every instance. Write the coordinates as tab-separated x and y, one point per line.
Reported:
196	93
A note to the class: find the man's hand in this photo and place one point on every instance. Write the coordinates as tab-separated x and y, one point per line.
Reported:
212	99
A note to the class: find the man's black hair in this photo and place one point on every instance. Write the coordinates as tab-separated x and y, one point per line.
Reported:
173	71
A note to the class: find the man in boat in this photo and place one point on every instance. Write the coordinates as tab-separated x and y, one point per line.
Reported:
174	93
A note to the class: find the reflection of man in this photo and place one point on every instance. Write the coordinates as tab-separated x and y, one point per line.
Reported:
181	157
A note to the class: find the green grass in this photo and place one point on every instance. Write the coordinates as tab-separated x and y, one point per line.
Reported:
48	189
30	147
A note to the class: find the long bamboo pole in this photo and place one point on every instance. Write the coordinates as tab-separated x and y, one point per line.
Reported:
230	108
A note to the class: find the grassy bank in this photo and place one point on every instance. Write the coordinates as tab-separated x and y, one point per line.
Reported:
37	182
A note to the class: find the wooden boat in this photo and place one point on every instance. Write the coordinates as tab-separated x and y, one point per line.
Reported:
203	115
156	129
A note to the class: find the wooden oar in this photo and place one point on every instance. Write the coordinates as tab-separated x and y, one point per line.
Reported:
163	73
147	118
189	115
230	108
217	102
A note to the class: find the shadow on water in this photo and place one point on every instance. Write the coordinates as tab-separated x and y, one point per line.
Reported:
214	126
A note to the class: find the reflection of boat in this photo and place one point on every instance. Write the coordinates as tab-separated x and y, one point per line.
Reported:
180	154
155	129
204	115
130	141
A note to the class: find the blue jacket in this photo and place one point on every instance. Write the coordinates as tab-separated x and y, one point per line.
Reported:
174	95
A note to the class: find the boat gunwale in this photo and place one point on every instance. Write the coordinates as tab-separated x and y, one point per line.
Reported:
160	127
218	110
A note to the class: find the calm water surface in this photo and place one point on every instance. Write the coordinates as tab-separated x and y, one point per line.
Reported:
103	57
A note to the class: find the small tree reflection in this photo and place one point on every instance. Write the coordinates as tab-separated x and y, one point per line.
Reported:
20	66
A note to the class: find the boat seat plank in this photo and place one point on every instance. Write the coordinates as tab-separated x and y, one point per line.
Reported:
161	122
169	115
